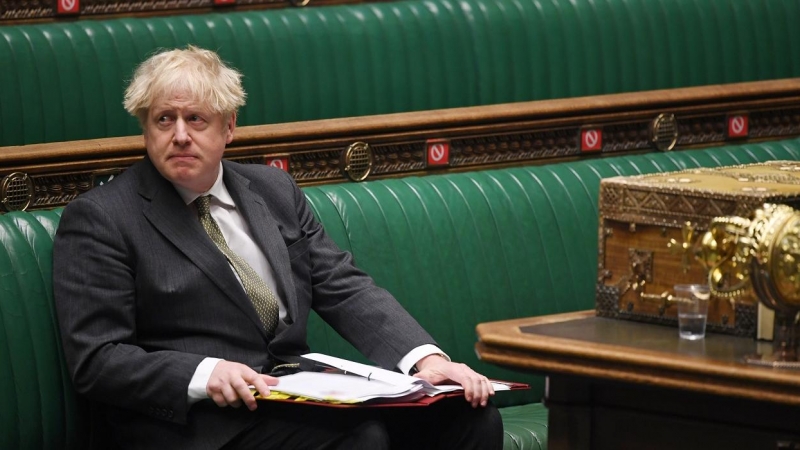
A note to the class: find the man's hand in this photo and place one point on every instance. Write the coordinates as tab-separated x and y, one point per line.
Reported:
436	370
229	385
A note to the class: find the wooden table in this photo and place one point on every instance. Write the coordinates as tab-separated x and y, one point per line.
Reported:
620	384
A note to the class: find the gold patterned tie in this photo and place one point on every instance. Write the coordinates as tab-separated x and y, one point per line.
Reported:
260	294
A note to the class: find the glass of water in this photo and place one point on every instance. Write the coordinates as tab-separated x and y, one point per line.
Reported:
692	300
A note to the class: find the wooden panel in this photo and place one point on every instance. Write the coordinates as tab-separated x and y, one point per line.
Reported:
628	247
619	384
581	344
616	415
26	11
483	137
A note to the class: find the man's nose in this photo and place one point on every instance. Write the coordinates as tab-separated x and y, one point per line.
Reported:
181	136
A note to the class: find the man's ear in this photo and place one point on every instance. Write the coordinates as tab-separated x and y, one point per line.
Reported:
230	126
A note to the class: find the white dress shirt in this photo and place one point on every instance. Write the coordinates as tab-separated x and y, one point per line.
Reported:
237	235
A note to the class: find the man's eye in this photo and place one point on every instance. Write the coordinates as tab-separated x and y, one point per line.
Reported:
163	119
195	118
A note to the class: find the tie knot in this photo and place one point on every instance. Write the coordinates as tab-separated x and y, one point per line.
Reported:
202	204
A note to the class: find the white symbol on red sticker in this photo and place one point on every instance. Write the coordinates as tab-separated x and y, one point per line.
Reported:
437	152
280	163
591	140
737	126
68	5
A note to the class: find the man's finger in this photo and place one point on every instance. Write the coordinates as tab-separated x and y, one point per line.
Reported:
487	390
243	393
219	399
261	386
477	391
231	397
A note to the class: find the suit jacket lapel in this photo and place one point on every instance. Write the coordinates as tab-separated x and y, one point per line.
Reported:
265	231
177	222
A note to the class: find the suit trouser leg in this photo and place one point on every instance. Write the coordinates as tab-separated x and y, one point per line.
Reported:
447	424
287	426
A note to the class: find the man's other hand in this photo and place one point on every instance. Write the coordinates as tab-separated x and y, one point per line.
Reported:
436	370
229	385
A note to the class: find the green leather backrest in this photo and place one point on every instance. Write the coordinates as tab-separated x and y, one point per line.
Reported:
455	249
461	249
64	81
38	407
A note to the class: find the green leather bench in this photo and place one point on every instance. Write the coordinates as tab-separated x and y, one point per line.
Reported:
64	81
455	249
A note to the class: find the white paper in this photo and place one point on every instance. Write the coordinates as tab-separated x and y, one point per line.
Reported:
387	376
334	387
371	372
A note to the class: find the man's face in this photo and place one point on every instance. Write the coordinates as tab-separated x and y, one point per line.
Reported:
185	141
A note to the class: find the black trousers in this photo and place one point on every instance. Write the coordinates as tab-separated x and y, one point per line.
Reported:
450	423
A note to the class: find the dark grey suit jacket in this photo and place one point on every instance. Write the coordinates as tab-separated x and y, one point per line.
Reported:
143	295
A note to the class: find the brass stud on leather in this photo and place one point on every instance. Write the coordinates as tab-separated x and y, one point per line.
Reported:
357	161
664	132
16	191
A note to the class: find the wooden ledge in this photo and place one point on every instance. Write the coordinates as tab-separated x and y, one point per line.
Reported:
459	139
551	345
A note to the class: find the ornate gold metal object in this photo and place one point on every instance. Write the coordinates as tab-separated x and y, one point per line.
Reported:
684	247
16	191
762	251
664	132
357	161
640	271
640	274
721	253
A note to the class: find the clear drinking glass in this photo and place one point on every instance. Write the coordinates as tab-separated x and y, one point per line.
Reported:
692	300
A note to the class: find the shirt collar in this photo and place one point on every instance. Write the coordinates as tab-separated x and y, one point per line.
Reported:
218	191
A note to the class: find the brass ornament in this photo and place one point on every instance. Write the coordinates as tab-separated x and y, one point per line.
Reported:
726	262
16	191
357	161
762	252
660	204
684	248
664	132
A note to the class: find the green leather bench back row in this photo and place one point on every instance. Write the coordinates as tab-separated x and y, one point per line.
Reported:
456	250
64	81
462	249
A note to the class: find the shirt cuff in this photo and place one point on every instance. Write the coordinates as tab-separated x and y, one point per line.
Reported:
199	381
410	360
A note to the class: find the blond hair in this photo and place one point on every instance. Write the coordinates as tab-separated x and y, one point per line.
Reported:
193	71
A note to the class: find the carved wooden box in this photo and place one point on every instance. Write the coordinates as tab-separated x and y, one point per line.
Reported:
650	223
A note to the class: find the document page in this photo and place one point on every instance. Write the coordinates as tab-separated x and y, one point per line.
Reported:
389	377
334	387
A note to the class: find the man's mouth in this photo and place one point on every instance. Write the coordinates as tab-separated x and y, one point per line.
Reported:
182	157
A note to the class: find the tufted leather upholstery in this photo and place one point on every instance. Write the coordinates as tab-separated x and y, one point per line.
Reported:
64	81
525	427
460	249
38	407
456	250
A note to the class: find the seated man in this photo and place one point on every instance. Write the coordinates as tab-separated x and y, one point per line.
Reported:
189	279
